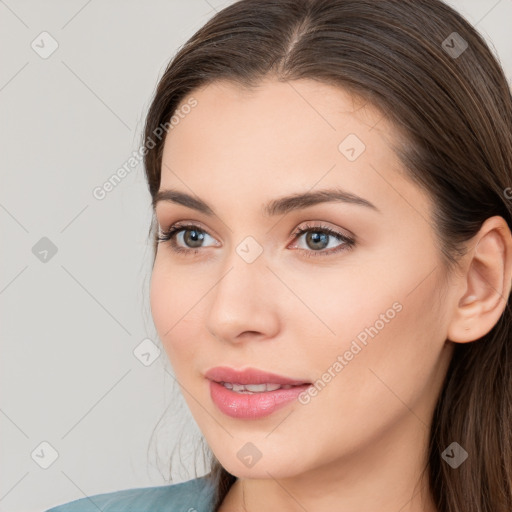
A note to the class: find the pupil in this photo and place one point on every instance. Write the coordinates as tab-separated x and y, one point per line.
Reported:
317	237
196	237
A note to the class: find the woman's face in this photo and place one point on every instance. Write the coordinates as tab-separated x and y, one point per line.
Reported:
364	320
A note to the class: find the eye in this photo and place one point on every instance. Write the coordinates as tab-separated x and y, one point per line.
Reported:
191	238
190	235
317	238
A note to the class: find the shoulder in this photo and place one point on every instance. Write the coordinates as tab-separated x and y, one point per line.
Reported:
192	496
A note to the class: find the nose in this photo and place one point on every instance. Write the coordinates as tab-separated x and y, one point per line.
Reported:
244	304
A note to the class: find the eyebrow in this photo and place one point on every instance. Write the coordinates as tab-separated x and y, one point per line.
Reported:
278	206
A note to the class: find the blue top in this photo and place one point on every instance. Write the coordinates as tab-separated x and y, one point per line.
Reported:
195	495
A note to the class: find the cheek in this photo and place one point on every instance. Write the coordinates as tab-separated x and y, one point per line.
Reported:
174	310
378	332
330	307
387	353
160	301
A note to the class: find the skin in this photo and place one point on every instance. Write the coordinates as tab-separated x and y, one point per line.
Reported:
360	444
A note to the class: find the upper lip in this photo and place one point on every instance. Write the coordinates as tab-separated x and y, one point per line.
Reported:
249	376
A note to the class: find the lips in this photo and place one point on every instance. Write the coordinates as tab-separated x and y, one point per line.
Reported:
249	376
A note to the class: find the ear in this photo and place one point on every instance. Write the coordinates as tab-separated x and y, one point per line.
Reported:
486	283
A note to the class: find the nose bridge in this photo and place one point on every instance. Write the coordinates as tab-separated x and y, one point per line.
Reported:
243	298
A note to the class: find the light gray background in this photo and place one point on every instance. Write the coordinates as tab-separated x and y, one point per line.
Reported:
69	325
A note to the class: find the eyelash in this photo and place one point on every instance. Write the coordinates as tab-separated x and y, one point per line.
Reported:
170	236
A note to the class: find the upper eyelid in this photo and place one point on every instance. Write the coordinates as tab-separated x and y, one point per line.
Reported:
343	231
184	225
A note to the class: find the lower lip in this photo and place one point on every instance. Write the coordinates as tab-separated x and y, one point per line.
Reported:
252	405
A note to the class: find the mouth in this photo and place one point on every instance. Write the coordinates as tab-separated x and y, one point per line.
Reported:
251	379
242	403
250	394
257	388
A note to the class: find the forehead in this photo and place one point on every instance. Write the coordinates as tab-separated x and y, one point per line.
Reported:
296	108
283	137
274	123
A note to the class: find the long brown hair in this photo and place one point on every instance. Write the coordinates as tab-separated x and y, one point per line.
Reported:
434	77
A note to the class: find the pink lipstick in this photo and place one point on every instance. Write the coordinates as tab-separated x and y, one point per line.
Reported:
251	393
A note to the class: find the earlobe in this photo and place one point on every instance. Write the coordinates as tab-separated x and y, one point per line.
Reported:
487	283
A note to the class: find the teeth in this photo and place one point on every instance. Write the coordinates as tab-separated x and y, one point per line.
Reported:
254	388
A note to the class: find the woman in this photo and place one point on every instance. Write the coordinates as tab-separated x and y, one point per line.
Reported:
333	259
